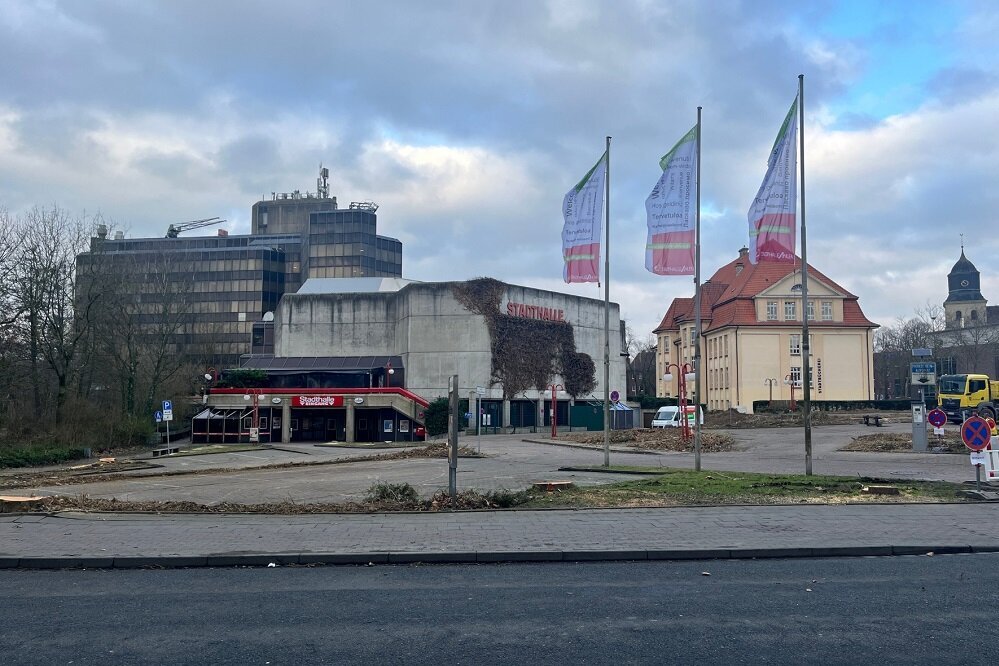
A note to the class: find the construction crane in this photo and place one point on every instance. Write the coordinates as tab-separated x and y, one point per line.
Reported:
173	231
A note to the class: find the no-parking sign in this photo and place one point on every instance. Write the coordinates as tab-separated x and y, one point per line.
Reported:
976	433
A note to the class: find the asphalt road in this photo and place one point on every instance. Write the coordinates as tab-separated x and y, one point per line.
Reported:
901	610
511	463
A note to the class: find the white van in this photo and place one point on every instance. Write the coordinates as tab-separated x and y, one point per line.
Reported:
669	416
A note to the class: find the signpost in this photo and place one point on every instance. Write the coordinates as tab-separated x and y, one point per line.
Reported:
937	418
479	392
167	417
976	435
452	449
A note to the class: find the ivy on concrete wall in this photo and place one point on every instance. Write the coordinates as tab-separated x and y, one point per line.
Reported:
526	353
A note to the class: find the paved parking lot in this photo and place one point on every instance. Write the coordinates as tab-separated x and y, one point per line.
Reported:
510	462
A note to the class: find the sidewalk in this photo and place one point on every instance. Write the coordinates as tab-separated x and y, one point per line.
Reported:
135	540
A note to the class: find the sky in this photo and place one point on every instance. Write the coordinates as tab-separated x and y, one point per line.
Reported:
467	122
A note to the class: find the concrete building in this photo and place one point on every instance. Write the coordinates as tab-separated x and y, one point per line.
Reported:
210	295
515	342
751	319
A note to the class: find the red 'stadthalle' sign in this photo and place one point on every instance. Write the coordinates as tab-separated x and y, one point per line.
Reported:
317	401
534	312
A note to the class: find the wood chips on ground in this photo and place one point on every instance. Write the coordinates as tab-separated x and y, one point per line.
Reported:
99	473
659	439
733	419
901	442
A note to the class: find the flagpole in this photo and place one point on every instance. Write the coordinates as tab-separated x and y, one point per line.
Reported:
806	351
697	304
607	314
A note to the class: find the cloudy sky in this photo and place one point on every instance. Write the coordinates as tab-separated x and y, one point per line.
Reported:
467	121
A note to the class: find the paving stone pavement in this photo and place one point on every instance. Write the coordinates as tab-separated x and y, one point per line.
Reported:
128	540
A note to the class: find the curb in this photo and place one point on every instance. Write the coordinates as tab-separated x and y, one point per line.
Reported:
469	557
595	447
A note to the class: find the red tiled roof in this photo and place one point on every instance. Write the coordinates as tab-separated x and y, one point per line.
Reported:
727	297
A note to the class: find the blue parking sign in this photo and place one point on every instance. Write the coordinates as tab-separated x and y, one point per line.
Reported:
167	406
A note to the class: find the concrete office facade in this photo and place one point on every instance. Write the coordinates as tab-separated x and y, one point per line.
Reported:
439	329
208	294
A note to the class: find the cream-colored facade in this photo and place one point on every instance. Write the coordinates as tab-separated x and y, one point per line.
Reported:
752	332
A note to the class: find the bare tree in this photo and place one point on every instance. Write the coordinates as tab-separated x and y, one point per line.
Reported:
58	315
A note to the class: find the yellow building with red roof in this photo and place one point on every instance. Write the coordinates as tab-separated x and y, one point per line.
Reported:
751	325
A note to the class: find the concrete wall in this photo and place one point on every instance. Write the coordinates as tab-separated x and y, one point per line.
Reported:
434	333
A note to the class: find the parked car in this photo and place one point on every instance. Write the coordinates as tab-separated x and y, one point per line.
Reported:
669	416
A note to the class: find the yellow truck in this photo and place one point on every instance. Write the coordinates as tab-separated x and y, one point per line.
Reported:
965	395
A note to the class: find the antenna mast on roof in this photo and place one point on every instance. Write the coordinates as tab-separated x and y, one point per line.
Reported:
323	183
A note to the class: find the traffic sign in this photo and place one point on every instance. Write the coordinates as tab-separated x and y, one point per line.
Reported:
158	416
937	418
167	410
923	373
615	396
976	433
481	390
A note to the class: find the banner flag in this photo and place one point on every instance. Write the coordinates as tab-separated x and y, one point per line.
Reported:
582	209
671	211
772	216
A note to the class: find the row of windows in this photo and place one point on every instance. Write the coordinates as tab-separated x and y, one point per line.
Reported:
718	347
351	271
791	310
342	217
368	240
157	301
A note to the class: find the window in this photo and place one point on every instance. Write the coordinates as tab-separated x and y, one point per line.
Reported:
811	310
692	339
795	345
790	312
771	310
826	310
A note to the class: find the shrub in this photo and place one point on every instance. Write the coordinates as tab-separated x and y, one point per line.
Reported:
436	417
393	493
30	456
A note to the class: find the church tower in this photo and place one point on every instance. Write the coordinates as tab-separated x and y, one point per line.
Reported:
965	306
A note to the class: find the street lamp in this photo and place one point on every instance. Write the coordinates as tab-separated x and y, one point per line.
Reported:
555	388
389	371
254	395
686	374
792	383
770	381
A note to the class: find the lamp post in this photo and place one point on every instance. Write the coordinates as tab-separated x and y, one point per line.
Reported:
770	381
389	371
555	388
792	383
254	395
686	374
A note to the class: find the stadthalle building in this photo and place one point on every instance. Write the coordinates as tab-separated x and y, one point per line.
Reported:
751	321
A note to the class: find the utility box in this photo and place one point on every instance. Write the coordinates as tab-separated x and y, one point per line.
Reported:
918	426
